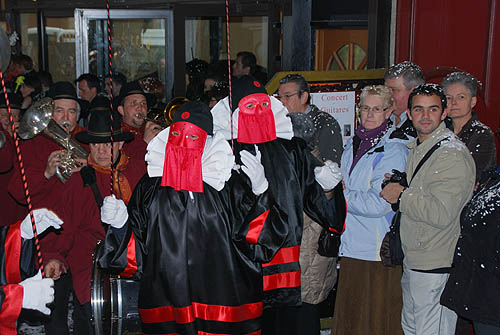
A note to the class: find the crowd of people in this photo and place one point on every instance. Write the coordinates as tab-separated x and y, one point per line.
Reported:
218	216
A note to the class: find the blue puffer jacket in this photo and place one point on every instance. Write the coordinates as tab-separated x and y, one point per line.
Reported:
368	214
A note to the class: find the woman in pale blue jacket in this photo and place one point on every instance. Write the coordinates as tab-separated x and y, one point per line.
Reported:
369	294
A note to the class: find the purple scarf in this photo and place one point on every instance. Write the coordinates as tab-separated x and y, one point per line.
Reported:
369	138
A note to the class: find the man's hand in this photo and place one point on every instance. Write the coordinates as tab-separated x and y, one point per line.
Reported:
81	162
54	269
391	192
53	162
151	129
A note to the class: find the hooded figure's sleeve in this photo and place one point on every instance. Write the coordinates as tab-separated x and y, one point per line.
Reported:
17	263
259	225
125	248
316	205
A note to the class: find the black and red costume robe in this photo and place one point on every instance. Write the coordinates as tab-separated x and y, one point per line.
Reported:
197	256
17	263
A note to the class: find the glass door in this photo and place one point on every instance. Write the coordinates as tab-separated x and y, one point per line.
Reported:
142	44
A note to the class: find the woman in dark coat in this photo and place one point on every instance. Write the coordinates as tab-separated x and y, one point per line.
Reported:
473	288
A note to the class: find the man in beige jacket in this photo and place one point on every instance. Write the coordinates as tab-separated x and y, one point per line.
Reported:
430	207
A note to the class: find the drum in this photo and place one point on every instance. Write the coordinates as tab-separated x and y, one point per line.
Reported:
114	301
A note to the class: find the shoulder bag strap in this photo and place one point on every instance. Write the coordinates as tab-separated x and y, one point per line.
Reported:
427	155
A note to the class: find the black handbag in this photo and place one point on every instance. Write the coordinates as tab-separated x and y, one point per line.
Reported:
329	242
391	251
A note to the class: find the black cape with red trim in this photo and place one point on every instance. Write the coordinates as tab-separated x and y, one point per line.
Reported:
17	263
289	168
198	258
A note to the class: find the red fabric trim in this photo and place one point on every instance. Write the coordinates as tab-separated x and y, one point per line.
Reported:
13	254
11	308
255	228
131	258
343	226
285	255
281	280
201	311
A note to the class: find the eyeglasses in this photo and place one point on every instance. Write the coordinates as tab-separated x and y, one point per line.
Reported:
286	96
376	109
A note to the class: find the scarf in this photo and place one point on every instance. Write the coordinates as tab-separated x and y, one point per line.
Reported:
364	140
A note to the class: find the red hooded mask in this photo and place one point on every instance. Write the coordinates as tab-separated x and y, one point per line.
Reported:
182	169
256	119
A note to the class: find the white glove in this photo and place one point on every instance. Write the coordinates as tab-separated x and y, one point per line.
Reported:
114	212
254	169
328	175
43	220
38	292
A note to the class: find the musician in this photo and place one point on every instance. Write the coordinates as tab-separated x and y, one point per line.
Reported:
134	104
298	183
20	284
11	210
196	232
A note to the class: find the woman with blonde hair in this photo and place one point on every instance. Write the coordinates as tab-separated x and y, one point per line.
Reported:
369	294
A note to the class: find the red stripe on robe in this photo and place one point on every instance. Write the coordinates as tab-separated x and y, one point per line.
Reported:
201	311
11	308
285	255
343	226
13	254
281	280
131	258
255	228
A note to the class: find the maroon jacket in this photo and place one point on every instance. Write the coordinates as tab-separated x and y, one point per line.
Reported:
136	148
11	210
84	216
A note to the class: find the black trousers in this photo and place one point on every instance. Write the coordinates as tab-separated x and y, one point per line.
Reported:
281	321
82	314
58	324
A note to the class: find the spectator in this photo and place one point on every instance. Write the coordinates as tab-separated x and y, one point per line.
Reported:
119	80
402	78
30	88
196	71
430	212
45	80
88	86
474	285
460	89
369	294
245	64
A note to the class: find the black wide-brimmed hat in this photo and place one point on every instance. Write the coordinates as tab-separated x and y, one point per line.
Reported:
244	86
15	100
99	130
197	113
65	90
133	87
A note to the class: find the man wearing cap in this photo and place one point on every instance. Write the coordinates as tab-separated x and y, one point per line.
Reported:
82	201
298	183
133	107
11	209
195	232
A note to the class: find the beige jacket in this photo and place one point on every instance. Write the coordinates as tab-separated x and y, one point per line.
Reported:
431	206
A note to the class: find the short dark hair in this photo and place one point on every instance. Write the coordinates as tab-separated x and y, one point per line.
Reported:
248	60
301	82
25	61
118	78
464	78
91	79
45	78
410	72
32	80
429	90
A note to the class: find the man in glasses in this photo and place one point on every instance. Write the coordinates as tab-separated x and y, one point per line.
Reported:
294	93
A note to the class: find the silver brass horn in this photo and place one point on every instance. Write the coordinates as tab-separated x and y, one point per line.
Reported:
38	119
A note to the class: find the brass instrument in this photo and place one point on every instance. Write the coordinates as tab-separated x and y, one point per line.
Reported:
38	119
163	117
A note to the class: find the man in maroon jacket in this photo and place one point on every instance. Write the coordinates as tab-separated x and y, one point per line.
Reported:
133	107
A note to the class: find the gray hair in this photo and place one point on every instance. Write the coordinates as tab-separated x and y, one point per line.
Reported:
301	82
410	72
380	91
464	78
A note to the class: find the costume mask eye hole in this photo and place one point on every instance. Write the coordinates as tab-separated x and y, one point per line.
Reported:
193	137
265	104
250	105
176	133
